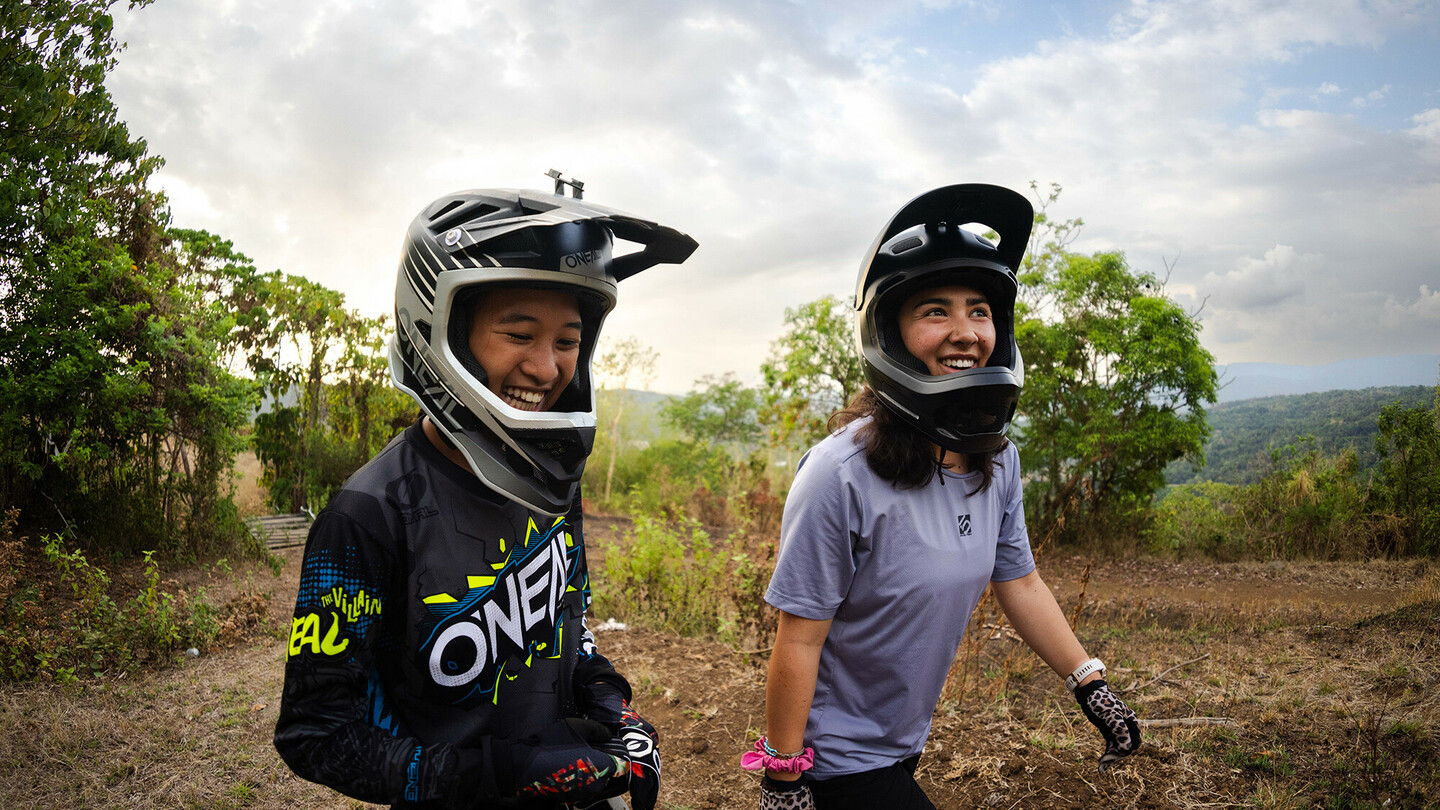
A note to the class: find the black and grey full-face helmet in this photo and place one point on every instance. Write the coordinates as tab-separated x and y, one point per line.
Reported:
466	242
924	246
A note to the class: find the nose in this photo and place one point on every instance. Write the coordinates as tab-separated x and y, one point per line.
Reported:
541	365
962	331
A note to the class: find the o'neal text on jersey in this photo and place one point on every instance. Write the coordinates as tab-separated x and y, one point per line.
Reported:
477	634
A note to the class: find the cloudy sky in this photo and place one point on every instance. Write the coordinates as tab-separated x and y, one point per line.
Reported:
1283	156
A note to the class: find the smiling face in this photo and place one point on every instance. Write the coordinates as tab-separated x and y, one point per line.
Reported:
948	328
528	342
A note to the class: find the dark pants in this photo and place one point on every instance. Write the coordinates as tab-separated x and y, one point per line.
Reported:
893	788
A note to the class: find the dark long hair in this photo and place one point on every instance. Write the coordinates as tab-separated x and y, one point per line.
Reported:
898	452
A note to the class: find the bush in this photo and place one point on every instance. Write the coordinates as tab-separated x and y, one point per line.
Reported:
1197	520
670	577
60	618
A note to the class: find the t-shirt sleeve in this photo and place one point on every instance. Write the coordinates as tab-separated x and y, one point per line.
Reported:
817	551
1013	558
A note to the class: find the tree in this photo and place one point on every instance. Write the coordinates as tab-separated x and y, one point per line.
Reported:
717	411
117	414
812	370
1115	387
1407	482
617	365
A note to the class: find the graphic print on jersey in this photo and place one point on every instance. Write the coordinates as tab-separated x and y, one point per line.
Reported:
342	605
509	614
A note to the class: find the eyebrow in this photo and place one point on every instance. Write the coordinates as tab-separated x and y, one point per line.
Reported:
944	301
520	317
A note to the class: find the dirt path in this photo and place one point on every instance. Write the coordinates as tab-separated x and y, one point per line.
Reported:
1315	665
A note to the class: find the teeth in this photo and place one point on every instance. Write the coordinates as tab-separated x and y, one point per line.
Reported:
958	363
524	400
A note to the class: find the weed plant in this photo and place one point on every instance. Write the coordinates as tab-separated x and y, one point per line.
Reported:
62	618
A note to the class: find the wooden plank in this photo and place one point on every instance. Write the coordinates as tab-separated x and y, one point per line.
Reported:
280	531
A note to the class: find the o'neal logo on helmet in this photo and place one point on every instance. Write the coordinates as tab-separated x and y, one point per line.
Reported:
512	615
582	259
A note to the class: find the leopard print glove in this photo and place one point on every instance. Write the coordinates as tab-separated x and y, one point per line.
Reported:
1117	724
777	795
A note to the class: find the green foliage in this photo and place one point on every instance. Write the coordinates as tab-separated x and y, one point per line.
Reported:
717	411
118	414
1196	520
1315	504
1243	433
90	631
1310	505
662	479
347	409
1407	482
1115	386
671	577
811	372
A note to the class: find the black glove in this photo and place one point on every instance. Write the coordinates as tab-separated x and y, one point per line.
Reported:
604	702
639	744
636	740
1116	722
778	795
561	763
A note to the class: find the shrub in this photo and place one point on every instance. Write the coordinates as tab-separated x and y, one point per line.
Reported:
670	577
65	621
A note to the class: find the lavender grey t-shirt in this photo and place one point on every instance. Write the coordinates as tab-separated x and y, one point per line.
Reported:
899	571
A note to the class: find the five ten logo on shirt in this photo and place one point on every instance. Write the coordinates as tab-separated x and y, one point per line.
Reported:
964	525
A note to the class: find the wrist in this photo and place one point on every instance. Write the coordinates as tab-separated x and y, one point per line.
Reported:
1088	671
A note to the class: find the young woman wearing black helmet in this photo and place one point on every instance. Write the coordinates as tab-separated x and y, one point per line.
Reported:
898	521
438	656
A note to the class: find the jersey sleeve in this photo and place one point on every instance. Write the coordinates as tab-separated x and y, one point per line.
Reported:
1013	557
817	560
332	729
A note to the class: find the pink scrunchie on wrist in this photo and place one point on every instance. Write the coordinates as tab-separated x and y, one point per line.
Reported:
760	759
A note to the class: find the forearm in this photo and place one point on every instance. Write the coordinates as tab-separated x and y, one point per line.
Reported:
790	687
1035	615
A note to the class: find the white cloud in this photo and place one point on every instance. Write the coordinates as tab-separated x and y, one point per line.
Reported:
1255	284
781	137
1329	89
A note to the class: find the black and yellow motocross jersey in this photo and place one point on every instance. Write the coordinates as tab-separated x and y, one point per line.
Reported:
433	614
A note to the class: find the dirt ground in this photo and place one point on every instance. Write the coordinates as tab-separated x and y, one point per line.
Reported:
1322	682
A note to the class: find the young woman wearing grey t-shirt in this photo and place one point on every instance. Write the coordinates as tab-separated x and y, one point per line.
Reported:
898	521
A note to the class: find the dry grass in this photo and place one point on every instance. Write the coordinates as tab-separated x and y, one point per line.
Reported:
1333	690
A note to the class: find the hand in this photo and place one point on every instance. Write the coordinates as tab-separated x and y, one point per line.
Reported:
778	795
603	702
563	763
1117	724
639	744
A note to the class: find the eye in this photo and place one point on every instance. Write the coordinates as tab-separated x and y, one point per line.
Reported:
568	344
518	337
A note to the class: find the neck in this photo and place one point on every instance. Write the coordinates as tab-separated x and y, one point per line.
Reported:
950	460
433	434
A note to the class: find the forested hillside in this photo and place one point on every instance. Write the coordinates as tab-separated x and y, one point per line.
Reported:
1243	433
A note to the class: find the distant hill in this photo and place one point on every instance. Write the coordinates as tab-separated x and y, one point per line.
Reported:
1243	433
1250	380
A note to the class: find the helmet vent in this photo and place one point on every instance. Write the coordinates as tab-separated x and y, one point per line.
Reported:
906	244
460	212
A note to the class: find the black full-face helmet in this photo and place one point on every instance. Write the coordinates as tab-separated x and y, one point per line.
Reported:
470	241
924	246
